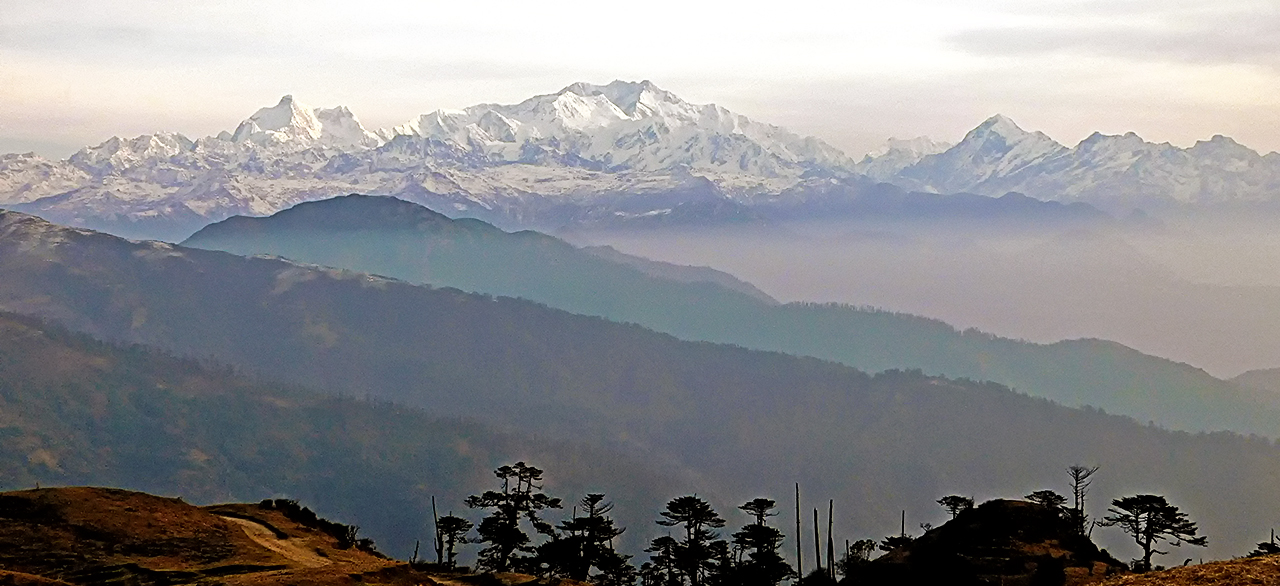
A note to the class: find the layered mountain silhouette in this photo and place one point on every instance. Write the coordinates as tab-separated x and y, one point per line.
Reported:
386	236
741	422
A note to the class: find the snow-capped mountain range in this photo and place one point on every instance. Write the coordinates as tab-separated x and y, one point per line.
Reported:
586	147
1112	172
588	153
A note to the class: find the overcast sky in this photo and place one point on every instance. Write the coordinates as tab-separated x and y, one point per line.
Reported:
850	72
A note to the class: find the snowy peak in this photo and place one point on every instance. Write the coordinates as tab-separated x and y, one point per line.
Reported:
1114	172
1000	130
625	126
116	154
575	111
997	148
339	127
286	116
1221	146
636	99
292	124
919	146
998	124
897	154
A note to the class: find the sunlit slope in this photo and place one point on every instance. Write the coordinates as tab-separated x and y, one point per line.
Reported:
745	423
390	237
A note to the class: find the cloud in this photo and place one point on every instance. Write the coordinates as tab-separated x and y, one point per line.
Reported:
1224	34
852	73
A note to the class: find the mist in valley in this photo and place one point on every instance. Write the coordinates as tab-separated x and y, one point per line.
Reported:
1201	289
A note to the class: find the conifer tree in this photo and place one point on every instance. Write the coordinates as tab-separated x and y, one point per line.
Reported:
520	497
1150	519
452	531
698	554
585	542
763	566
955	504
661	569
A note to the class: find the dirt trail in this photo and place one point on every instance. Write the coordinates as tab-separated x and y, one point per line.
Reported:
285	547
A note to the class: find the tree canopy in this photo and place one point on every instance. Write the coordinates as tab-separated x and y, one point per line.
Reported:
1150	519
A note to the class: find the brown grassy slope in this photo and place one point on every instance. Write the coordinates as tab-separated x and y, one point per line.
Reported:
8	578
1247	571
86	535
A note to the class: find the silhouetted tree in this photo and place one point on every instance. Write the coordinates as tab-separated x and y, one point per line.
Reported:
453	531
616	571
1265	548
895	541
818	577
519	497
760	509
661	568
586	542
1048	498
1269	547
955	504
763	566
857	554
1080	481
696	555
1150	519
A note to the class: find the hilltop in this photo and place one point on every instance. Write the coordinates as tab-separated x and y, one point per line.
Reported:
86	535
998	542
1238	572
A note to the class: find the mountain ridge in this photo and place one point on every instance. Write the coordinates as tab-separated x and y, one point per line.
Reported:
623	152
745	422
477	257
572	146
1114	172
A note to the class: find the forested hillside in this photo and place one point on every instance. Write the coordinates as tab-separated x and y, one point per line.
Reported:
77	411
746	423
399	239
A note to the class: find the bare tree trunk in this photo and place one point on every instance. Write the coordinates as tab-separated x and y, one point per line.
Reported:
799	535
438	541
817	540
831	547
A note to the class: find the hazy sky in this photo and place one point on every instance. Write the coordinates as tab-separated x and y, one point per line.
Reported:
852	73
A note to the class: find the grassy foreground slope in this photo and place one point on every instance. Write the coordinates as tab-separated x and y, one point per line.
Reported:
88	536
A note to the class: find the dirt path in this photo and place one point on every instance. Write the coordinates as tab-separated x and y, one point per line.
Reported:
285	547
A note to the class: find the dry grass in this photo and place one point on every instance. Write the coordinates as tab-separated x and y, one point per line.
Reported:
8	578
1248	571
61	536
